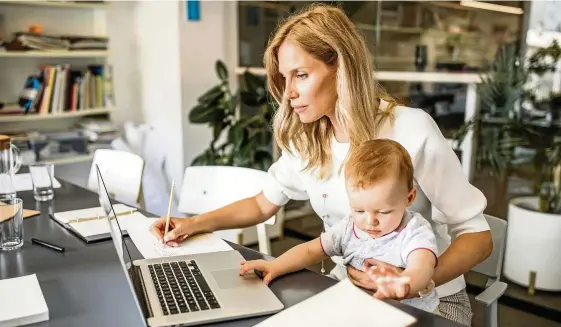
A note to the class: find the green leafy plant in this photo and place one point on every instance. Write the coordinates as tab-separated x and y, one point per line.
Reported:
238	140
503	128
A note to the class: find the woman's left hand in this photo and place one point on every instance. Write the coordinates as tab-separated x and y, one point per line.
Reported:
391	284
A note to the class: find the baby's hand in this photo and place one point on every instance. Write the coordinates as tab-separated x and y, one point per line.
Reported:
391	284
267	268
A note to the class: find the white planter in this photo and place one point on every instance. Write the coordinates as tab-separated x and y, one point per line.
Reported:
533	244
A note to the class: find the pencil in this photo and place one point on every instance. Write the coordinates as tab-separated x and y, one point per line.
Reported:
169	209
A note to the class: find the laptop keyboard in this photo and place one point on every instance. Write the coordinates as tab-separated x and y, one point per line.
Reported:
181	287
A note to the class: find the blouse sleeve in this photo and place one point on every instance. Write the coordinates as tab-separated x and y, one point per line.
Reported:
284	181
439	173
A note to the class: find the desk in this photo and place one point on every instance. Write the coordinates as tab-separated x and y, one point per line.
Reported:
85	286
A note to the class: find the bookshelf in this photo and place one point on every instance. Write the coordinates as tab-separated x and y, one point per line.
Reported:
62	115
54	54
68	103
57	4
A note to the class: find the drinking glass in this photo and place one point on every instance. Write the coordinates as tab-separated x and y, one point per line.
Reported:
11	224
42	176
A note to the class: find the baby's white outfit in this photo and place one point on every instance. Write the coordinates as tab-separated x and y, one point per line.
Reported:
355	245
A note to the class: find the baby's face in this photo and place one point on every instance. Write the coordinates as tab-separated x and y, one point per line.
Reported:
378	209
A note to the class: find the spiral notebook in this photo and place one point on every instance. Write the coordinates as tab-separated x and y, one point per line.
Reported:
91	225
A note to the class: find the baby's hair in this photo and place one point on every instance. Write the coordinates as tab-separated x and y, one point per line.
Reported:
376	159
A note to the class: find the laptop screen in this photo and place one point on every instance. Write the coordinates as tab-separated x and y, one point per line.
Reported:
116	234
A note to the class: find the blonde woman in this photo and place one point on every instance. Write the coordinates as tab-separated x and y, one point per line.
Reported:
319	71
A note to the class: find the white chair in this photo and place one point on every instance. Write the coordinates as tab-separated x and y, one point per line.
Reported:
207	188
492	268
122	174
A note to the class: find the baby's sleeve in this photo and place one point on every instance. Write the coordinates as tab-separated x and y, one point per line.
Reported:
418	236
333	240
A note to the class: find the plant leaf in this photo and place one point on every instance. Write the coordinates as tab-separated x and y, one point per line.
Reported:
221	71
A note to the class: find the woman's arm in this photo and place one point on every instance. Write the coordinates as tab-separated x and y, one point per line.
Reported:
247	212
467	251
282	183
439	174
240	214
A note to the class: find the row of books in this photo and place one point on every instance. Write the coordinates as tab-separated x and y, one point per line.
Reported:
61	88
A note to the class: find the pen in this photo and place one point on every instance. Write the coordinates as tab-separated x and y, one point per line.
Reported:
169	209
47	245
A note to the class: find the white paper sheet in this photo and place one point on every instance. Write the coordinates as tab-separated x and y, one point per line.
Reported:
150	247
22	182
341	305
22	301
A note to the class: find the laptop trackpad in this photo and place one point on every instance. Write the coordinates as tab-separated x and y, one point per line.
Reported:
230	278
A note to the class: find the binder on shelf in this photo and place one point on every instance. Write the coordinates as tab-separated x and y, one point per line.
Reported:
90	224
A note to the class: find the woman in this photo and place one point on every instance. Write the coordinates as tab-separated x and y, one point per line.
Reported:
320	73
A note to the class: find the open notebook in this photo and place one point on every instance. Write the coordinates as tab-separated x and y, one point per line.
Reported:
91	225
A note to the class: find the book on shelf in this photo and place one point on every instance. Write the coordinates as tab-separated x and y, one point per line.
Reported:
62	88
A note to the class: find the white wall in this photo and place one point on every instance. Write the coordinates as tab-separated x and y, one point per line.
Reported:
124	58
213	37
157	37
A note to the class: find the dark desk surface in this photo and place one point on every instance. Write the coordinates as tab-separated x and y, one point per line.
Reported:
85	286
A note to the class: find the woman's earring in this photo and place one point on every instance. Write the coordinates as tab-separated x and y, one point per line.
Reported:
322	269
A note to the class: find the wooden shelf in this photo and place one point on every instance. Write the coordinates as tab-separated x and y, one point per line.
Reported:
54	54
64	115
57	4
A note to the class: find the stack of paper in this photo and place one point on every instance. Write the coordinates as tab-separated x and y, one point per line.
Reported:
150	247
22	302
341	305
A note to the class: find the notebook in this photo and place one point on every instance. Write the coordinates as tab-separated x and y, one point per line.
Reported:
22	302
341	305
91	225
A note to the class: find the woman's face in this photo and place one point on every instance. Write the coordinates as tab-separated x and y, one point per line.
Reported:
310	84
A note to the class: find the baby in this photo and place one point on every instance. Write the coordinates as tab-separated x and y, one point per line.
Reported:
379	184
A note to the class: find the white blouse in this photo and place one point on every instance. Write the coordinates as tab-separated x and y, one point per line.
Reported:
438	174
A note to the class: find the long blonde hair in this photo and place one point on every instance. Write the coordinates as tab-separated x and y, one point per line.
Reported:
328	34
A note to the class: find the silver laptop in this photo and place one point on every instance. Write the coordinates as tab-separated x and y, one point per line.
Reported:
191	289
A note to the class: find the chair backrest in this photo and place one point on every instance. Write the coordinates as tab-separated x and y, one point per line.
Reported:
207	188
121	171
492	266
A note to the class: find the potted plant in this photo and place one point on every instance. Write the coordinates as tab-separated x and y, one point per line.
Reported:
238	140
513	138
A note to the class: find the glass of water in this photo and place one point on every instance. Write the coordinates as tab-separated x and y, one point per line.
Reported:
11	224
42	176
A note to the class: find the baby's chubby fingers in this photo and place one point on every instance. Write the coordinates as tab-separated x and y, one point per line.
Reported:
246	266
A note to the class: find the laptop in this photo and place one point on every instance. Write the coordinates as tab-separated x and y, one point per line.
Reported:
191	289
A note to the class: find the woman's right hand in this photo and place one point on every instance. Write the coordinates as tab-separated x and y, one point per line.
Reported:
179	229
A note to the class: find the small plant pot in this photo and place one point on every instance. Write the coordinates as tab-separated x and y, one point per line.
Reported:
533	246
